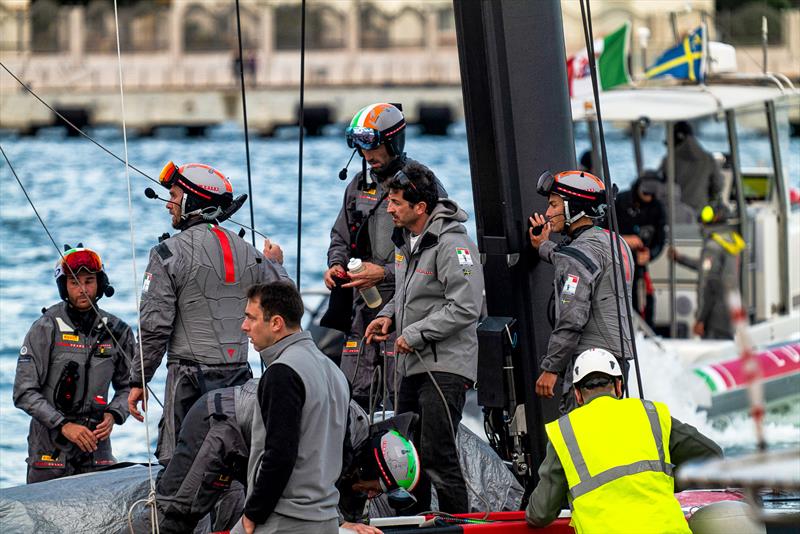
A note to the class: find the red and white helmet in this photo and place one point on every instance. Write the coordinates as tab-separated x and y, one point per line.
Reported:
208	193
584	193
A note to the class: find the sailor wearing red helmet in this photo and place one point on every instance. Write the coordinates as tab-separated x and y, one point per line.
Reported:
70	356
589	313
194	295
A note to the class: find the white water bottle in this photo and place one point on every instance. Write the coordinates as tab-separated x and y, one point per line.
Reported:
371	295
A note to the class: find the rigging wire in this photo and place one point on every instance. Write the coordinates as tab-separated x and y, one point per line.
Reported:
614	238
244	117
151	498
301	128
71	125
110	332
102	147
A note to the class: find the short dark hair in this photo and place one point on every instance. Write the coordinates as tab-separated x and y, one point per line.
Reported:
595	381
279	298
418	184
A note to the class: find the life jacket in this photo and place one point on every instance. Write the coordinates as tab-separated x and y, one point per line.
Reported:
81	366
210	306
615	455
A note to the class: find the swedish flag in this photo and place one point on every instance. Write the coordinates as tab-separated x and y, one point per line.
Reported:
683	61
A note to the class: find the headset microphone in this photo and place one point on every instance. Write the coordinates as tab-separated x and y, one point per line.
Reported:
149	193
343	172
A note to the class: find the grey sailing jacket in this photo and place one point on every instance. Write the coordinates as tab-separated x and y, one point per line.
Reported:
359	200
438	295
50	344
718	274
194	295
586	301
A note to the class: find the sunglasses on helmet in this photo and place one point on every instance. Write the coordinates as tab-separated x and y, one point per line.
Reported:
545	183
169	175
78	259
402	179
363	137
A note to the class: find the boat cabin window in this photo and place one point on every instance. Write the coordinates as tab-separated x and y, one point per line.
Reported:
755	153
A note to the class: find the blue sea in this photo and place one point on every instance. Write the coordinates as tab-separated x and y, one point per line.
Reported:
81	193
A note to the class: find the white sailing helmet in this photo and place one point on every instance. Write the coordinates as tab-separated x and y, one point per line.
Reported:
595	361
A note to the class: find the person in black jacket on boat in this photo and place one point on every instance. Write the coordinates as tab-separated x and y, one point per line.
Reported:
70	356
642	220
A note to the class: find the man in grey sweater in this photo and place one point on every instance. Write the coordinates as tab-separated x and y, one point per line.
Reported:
297	442
434	311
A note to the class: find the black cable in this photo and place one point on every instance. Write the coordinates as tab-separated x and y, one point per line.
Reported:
301	127
74	275
69	123
106	150
246	132
614	237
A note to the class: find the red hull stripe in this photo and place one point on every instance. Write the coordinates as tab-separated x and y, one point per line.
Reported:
227	255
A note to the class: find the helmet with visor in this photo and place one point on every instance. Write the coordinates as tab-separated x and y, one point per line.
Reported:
375	125
584	193
207	192
80	259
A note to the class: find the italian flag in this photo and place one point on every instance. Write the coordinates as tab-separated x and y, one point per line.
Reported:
611	54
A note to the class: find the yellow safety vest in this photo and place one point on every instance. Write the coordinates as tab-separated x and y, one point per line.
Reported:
615	455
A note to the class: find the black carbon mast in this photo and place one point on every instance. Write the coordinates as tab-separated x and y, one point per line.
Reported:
519	124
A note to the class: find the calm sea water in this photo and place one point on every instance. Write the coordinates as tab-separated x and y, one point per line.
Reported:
81	193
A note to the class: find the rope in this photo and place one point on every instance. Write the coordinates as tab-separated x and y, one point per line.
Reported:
103	148
151	496
246	131
477	494
72	273
301	128
614	239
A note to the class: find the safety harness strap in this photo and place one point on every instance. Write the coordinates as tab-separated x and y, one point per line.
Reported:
588	482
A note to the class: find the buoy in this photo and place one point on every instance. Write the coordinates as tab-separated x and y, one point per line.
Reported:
725	517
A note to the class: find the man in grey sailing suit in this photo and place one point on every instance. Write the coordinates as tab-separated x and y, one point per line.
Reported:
696	171
717	272
363	229
435	310
590	311
68	359
298	435
213	450
193	298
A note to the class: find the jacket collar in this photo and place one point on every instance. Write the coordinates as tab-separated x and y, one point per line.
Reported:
577	233
273	352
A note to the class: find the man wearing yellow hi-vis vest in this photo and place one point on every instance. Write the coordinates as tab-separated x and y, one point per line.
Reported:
614	458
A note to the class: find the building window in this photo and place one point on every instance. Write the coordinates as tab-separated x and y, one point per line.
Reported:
325	28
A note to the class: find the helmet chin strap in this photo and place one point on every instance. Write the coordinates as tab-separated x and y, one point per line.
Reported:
568	218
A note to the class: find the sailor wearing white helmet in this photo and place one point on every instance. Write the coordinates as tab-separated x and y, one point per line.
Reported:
613	458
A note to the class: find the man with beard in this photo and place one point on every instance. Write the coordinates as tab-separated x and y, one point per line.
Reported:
193	298
67	361
363	230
